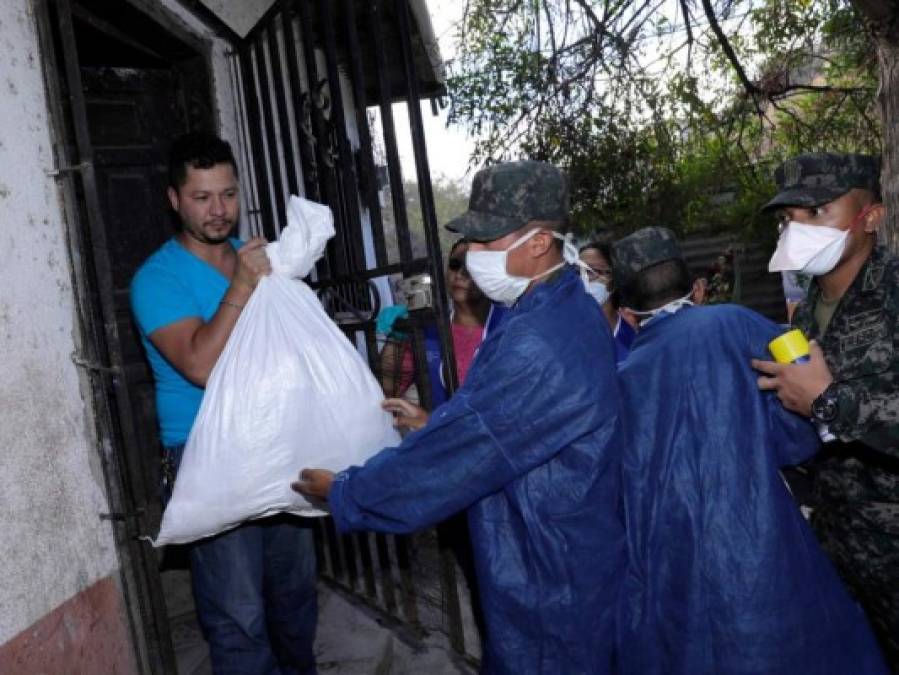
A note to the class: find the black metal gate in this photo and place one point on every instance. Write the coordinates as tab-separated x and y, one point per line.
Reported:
307	75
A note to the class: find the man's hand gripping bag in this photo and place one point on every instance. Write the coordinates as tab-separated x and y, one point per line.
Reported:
288	391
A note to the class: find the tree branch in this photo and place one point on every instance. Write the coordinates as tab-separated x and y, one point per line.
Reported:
731	55
787	90
688	25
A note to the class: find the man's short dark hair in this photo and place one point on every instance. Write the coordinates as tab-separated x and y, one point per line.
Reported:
201	151
657	285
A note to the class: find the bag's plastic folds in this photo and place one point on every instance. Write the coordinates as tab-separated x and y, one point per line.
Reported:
288	391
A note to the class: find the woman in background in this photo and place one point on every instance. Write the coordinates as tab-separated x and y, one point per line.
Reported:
472	316
597	256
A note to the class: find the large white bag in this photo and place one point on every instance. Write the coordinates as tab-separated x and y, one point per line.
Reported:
288	391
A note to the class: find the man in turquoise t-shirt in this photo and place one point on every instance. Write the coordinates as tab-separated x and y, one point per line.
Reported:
254	586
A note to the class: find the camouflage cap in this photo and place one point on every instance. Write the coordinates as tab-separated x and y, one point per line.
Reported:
820	177
644	248
505	197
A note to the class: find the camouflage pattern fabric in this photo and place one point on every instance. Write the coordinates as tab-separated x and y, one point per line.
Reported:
820	177
856	479
868	561
644	248
505	197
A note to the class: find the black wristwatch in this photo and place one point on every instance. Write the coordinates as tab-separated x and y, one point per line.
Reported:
824	408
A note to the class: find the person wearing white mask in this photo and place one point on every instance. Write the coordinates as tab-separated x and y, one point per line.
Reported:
724	574
529	445
830	211
597	255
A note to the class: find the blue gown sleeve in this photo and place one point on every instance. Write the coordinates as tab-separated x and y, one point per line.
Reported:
518	413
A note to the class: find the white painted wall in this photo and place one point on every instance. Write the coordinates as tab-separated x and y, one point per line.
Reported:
51	487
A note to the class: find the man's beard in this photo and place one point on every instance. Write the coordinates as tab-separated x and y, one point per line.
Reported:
199	234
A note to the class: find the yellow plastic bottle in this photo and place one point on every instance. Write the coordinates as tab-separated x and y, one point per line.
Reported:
791	347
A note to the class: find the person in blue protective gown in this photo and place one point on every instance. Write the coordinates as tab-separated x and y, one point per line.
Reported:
529	444
724	575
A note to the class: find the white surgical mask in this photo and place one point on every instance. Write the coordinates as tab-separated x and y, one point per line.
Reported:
670	308
810	249
488	270
599	291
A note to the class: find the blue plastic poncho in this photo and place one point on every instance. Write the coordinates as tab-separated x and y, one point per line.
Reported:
724	574
529	445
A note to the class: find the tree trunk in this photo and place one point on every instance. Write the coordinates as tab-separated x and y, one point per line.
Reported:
882	17
888	56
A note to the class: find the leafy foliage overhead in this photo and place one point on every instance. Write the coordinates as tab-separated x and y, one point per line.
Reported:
664	111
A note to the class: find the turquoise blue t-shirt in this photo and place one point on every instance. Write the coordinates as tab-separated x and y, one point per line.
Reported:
174	284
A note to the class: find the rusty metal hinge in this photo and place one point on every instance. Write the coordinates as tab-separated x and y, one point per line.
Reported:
60	171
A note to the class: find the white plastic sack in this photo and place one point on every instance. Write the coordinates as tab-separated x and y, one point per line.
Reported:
288	391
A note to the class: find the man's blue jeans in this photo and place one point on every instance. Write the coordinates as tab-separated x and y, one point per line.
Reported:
254	588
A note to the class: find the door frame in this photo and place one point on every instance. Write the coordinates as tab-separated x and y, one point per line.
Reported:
98	346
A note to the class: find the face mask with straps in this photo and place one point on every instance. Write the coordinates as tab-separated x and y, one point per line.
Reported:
488	269
812	249
669	308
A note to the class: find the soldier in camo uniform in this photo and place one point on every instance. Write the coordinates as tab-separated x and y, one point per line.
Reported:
831	210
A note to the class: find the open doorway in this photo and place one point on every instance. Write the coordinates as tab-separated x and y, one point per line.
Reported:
124	79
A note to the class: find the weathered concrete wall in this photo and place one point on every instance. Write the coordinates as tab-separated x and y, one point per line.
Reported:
51	489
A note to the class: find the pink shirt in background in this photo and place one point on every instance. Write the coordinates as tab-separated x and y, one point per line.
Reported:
466	340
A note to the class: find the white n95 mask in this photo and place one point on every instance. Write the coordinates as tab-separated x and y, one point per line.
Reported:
488	270
810	249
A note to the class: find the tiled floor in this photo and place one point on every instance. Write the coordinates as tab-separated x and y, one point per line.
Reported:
350	639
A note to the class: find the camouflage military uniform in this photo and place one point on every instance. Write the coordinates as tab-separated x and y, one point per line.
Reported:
856	478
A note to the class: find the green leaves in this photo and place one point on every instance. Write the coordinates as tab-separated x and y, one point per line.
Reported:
642	105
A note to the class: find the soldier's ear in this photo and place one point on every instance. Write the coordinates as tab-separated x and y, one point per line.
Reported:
540	243
874	218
